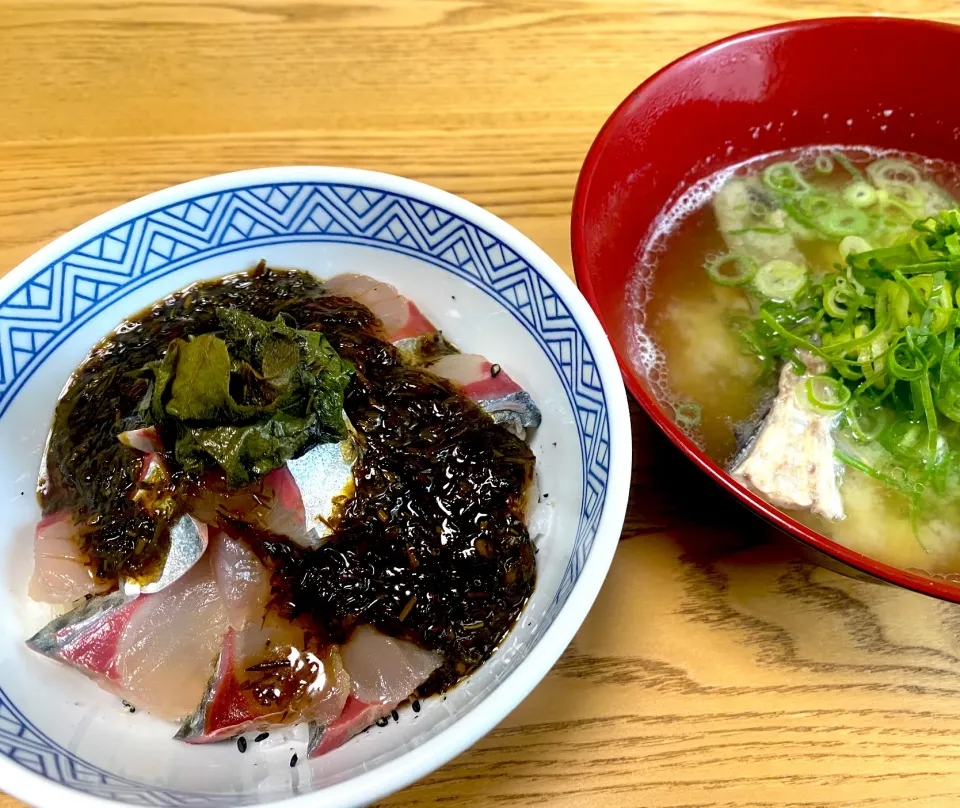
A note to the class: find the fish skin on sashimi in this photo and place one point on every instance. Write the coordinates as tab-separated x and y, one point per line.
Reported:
355	718
497	394
88	637
384	671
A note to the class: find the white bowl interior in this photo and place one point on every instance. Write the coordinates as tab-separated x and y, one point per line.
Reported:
69	731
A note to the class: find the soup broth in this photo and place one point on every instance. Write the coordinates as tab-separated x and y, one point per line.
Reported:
799	316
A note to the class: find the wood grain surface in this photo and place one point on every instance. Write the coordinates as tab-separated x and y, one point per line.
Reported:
717	668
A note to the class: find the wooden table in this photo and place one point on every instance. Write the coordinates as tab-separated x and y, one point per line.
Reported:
717	668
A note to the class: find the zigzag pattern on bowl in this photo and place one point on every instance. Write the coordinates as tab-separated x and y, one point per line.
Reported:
59	298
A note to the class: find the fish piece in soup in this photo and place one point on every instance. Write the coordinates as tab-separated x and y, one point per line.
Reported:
791	461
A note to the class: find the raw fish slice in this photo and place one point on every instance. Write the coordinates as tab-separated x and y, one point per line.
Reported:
243	581
156	651
400	316
385	669
88	637
188	536
146	440
169	646
273	503
268	677
284	512
188	543
354	719
791	461
490	387
322	477
61	573
744	212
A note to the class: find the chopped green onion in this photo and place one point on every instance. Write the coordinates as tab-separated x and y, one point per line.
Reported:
784	178
823	164
780	280
948	400
843	221
906	193
826	393
851	245
731	269
866	424
859	465
886	171
860	195
849	167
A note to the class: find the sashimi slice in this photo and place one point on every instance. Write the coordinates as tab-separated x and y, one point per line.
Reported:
284	513
489	386
322	477
88	637
400	316
188	543
243	582
274	503
267	677
156	651
60	569
354	719
169	646
385	669
146	440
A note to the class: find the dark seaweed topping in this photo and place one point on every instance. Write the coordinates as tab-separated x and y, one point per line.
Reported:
249	400
431	546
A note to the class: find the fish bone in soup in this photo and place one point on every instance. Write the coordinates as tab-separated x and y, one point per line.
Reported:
801	316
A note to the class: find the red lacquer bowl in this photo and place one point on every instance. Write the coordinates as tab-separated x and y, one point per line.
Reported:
853	81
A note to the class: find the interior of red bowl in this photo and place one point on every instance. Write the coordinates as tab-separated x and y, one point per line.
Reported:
850	81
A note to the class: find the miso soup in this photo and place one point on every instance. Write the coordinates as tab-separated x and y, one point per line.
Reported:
800	316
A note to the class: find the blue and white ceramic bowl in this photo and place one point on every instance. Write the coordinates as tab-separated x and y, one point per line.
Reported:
63	741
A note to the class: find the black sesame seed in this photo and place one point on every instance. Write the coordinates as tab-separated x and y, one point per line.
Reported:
242	744
396	715
416	705
545	496
382	722
261	737
293	760
132	709
495	370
